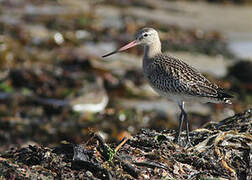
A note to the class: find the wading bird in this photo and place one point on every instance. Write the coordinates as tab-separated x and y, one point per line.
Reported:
172	78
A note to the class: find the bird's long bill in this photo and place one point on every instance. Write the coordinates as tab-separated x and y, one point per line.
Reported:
127	46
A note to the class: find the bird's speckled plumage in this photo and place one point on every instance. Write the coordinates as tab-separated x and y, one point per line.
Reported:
173	78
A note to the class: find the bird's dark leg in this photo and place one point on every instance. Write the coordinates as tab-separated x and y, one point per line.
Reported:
188	143
181	119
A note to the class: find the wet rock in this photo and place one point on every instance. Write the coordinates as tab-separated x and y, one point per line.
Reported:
80	154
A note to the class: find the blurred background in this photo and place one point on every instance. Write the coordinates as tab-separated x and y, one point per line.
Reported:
55	86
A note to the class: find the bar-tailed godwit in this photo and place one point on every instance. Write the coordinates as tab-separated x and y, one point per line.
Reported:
173	78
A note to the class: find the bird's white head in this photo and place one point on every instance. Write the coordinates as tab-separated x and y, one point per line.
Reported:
146	37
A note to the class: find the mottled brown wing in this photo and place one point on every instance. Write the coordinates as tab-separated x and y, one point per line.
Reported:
174	75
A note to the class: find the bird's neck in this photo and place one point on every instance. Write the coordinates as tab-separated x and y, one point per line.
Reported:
152	50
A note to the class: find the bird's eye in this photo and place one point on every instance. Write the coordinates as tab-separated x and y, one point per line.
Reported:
145	35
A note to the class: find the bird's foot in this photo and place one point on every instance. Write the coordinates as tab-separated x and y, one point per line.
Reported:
188	144
178	141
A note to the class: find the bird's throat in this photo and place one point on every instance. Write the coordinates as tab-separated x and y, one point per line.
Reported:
152	50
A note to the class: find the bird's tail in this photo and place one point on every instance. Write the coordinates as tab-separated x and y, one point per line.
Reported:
223	96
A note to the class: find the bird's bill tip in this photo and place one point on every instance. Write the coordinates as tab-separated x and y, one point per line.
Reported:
127	46
109	54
